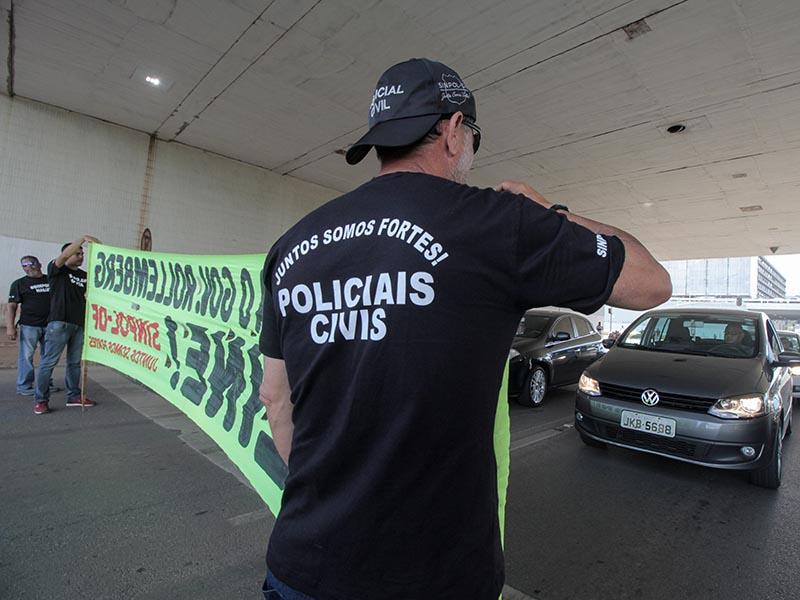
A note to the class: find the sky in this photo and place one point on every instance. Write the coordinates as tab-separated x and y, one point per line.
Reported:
789	266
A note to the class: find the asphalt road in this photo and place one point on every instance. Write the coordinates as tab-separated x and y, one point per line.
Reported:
584	523
122	503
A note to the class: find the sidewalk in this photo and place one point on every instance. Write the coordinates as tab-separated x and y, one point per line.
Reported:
126	500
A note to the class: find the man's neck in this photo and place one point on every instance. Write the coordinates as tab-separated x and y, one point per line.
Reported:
415	164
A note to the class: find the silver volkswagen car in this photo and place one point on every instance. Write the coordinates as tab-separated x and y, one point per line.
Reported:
710	387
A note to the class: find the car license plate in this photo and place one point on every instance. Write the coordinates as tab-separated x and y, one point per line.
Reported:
649	424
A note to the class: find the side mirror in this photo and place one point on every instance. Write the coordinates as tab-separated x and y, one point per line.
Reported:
561	336
608	342
788	358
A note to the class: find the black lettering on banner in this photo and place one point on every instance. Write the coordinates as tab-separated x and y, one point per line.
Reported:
248	298
227	386
206	364
127	276
178	288
99	271
152	280
118	271
253	405
202	305
169	289
160	294
139	277
215	292
228	296
197	359
191	288
226	375
172	327
174	285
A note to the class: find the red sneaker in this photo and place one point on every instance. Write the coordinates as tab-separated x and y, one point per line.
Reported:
77	402
41	408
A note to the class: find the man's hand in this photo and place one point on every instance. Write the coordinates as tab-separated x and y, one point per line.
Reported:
12	333
517	187
89	238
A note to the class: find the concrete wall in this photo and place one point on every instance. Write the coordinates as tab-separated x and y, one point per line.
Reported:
63	175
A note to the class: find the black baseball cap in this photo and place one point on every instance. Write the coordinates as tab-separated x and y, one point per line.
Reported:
409	99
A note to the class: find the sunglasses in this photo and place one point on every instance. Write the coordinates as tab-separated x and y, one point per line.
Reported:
29	264
476	133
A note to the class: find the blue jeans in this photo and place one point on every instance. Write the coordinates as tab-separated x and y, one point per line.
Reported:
275	589
29	336
60	335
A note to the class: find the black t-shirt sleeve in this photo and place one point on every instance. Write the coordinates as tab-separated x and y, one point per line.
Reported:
269	343
561	263
14	295
53	270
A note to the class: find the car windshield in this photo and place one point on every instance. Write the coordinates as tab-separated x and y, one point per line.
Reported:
790	341
708	335
533	326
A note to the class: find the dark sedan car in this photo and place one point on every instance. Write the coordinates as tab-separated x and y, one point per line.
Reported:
551	348
791	341
710	387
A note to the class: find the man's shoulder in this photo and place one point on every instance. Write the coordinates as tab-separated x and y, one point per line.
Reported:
16	285
53	269
406	189
417	187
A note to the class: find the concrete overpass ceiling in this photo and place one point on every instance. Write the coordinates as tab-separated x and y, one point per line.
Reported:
574	96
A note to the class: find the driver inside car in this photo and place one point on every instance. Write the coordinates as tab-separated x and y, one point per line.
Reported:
734	334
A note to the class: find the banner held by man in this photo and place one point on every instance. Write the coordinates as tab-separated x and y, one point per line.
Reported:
187	326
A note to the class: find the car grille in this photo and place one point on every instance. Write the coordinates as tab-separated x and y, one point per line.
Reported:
651	442
628	394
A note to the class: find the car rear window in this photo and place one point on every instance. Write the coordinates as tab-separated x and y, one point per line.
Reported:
583	326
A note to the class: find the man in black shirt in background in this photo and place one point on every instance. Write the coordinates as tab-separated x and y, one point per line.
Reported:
65	324
30	295
388	315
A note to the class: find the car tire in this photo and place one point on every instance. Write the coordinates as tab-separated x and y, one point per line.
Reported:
535	388
770	476
789	426
590	441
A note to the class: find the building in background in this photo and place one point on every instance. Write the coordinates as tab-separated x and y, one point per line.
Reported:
744	277
750	282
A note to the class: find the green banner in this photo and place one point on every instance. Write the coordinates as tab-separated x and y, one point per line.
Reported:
188	326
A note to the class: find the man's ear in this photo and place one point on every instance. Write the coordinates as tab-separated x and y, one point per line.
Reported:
453	138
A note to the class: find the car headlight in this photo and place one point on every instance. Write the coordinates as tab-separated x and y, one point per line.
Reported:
512	354
741	407
795	370
588	385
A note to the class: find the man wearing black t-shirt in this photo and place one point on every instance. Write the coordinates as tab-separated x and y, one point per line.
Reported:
31	296
388	315
65	324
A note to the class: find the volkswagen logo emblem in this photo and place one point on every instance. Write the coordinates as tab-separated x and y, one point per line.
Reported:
650	397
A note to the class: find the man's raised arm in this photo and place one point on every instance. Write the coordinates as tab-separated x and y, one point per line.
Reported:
643	283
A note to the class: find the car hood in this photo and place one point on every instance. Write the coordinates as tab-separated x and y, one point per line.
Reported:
685	374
